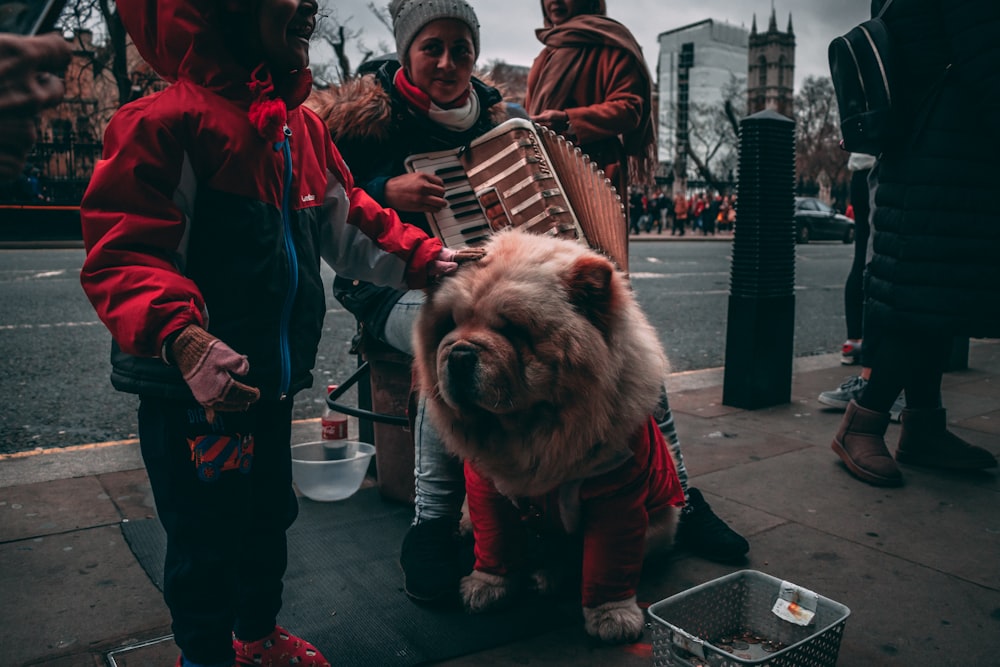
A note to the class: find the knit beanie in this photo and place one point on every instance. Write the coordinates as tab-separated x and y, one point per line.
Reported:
410	16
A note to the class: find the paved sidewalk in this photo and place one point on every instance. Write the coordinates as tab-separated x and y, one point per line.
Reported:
918	566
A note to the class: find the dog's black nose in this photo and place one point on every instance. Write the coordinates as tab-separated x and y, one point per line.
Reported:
462	367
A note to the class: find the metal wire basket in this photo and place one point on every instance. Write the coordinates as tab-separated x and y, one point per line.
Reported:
697	627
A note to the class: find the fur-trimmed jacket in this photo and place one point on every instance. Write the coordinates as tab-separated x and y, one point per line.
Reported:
375	131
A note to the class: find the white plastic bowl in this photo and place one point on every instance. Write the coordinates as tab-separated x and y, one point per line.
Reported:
330	469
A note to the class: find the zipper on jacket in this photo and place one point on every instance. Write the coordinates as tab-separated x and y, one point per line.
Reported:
293	269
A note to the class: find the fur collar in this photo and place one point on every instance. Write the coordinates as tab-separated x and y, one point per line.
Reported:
362	107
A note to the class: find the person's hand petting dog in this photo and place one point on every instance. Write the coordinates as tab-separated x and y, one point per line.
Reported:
29	82
449	260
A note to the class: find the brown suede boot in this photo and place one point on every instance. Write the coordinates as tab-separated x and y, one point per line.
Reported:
926	441
860	444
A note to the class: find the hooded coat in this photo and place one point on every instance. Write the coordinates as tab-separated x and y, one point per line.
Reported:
936	261
213	204
375	131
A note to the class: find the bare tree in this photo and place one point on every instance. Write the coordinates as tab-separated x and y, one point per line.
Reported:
819	160
712	134
335	35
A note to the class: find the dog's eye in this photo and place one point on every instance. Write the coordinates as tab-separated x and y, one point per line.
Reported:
515	332
444	325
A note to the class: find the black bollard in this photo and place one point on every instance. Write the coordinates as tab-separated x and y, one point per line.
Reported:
761	323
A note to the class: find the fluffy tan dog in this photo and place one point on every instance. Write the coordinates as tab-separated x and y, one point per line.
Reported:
541	373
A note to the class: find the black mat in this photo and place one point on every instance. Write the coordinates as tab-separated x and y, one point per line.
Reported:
343	589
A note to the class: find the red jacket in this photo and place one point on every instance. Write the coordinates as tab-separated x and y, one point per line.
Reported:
202	213
611	510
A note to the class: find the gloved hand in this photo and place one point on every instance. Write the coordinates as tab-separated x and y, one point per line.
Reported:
448	260
208	366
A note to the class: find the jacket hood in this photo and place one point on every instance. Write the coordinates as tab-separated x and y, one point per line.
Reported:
180	42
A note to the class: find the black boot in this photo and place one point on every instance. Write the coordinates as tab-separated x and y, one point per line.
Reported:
926	441
703	533
430	559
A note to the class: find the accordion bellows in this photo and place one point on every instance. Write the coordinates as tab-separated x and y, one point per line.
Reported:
521	175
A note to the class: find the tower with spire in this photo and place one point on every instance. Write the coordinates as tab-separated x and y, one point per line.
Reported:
771	68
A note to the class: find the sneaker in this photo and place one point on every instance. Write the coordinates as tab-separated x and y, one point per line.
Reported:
850	390
701	532
278	649
850	352
897	408
430	561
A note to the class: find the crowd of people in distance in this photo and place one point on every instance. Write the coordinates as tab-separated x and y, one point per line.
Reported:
704	213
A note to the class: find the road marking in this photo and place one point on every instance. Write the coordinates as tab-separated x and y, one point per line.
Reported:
39	451
12	327
72	448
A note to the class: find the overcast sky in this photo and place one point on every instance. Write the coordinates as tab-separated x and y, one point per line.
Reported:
508	26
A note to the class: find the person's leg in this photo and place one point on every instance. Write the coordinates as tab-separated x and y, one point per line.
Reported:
271	507
429	555
399	324
199	582
699	530
924	438
854	297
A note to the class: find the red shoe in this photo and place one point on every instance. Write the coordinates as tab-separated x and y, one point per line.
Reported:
278	649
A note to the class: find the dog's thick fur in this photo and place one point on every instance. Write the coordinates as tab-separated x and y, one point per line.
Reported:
540	371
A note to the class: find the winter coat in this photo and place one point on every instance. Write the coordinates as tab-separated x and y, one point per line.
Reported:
375	132
198	215
936	263
592	68
609	510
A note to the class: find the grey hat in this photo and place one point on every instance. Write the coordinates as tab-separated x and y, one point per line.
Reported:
410	16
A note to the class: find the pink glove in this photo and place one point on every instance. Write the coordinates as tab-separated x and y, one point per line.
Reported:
208	365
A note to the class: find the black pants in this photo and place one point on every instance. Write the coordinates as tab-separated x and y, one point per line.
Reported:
854	293
225	517
678	226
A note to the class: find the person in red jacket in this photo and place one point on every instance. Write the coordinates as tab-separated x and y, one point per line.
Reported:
204	225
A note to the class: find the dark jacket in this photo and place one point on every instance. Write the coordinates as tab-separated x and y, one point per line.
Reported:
936	263
198	215
375	132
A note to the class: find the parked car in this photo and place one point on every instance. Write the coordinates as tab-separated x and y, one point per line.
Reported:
816	221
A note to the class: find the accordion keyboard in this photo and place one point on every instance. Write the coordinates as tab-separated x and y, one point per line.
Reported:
462	223
520	175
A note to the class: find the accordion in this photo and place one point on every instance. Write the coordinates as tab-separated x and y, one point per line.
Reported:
522	175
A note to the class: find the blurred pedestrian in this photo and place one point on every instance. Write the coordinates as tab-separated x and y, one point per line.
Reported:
681	209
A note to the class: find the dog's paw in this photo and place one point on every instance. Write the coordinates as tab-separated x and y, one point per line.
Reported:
482	591
614	622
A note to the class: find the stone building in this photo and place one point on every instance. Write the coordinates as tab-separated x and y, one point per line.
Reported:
771	68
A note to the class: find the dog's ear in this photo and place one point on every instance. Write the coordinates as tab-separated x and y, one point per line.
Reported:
591	289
